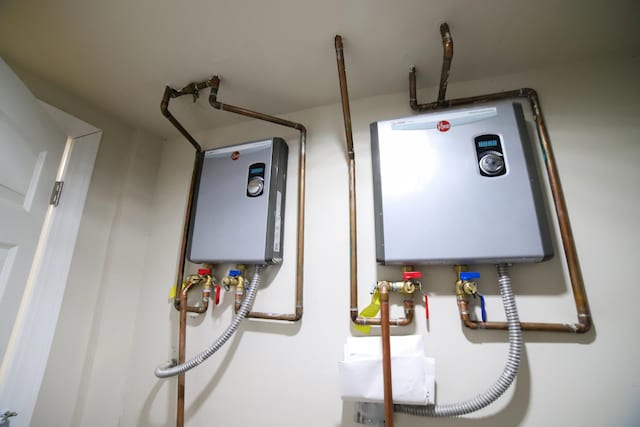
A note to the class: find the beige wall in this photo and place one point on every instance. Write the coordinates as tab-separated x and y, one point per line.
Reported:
100	371
107	265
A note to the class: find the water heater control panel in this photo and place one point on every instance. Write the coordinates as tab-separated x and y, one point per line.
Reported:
458	186
490	155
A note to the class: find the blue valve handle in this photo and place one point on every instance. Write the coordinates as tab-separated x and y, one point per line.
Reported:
483	308
469	275
234	273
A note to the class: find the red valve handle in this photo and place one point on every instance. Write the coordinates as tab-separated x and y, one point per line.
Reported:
426	306
408	275
203	271
217	297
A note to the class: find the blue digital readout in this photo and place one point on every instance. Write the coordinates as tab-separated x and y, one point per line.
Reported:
490	143
256	170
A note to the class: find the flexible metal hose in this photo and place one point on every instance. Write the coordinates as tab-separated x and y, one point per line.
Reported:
171	369
508	375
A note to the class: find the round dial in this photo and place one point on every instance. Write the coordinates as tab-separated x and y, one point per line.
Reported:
492	163
255	186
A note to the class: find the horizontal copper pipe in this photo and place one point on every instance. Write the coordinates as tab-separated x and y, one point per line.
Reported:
353	228
213	101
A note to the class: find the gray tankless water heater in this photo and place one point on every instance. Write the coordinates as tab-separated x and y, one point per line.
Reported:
238	213
458	186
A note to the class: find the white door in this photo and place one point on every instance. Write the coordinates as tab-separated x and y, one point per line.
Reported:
31	147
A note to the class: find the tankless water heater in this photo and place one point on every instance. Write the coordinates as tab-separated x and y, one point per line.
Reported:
238	213
458	186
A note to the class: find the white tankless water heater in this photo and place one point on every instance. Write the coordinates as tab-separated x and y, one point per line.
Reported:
458	186
238	213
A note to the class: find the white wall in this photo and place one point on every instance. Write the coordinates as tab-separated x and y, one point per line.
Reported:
93	334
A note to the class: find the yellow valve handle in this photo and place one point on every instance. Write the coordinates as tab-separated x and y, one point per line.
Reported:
172	291
371	310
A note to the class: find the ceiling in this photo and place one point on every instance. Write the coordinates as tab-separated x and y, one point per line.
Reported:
277	56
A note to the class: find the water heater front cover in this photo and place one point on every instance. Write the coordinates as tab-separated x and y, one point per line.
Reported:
238	214
458	186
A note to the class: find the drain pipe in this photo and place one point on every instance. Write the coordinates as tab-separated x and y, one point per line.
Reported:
353	233
213	101
568	243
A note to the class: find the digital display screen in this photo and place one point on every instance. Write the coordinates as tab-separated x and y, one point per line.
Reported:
256	170
489	143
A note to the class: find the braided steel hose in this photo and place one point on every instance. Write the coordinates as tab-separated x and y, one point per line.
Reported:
508	375
171	369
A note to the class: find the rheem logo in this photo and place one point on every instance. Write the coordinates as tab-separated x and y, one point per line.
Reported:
443	125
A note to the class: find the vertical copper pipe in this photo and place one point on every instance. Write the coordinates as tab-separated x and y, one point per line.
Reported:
447	47
180	302
182	345
353	229
297	315
386	354
344	95
566	234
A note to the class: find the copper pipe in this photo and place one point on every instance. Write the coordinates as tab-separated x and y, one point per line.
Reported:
383	288
182	345
297	315
185	235
566	233
191	89
353	229
386	356
180	301
344	95
447	56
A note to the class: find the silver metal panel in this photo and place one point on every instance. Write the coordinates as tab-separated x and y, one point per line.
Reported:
432	203
229	224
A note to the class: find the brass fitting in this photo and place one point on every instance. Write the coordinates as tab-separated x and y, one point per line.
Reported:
407	268
469	288
231	281
461	292
236	281
207	285
406	287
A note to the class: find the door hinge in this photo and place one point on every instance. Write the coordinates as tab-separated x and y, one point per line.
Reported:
55	194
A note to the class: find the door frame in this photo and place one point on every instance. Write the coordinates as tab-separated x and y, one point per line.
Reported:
23	367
